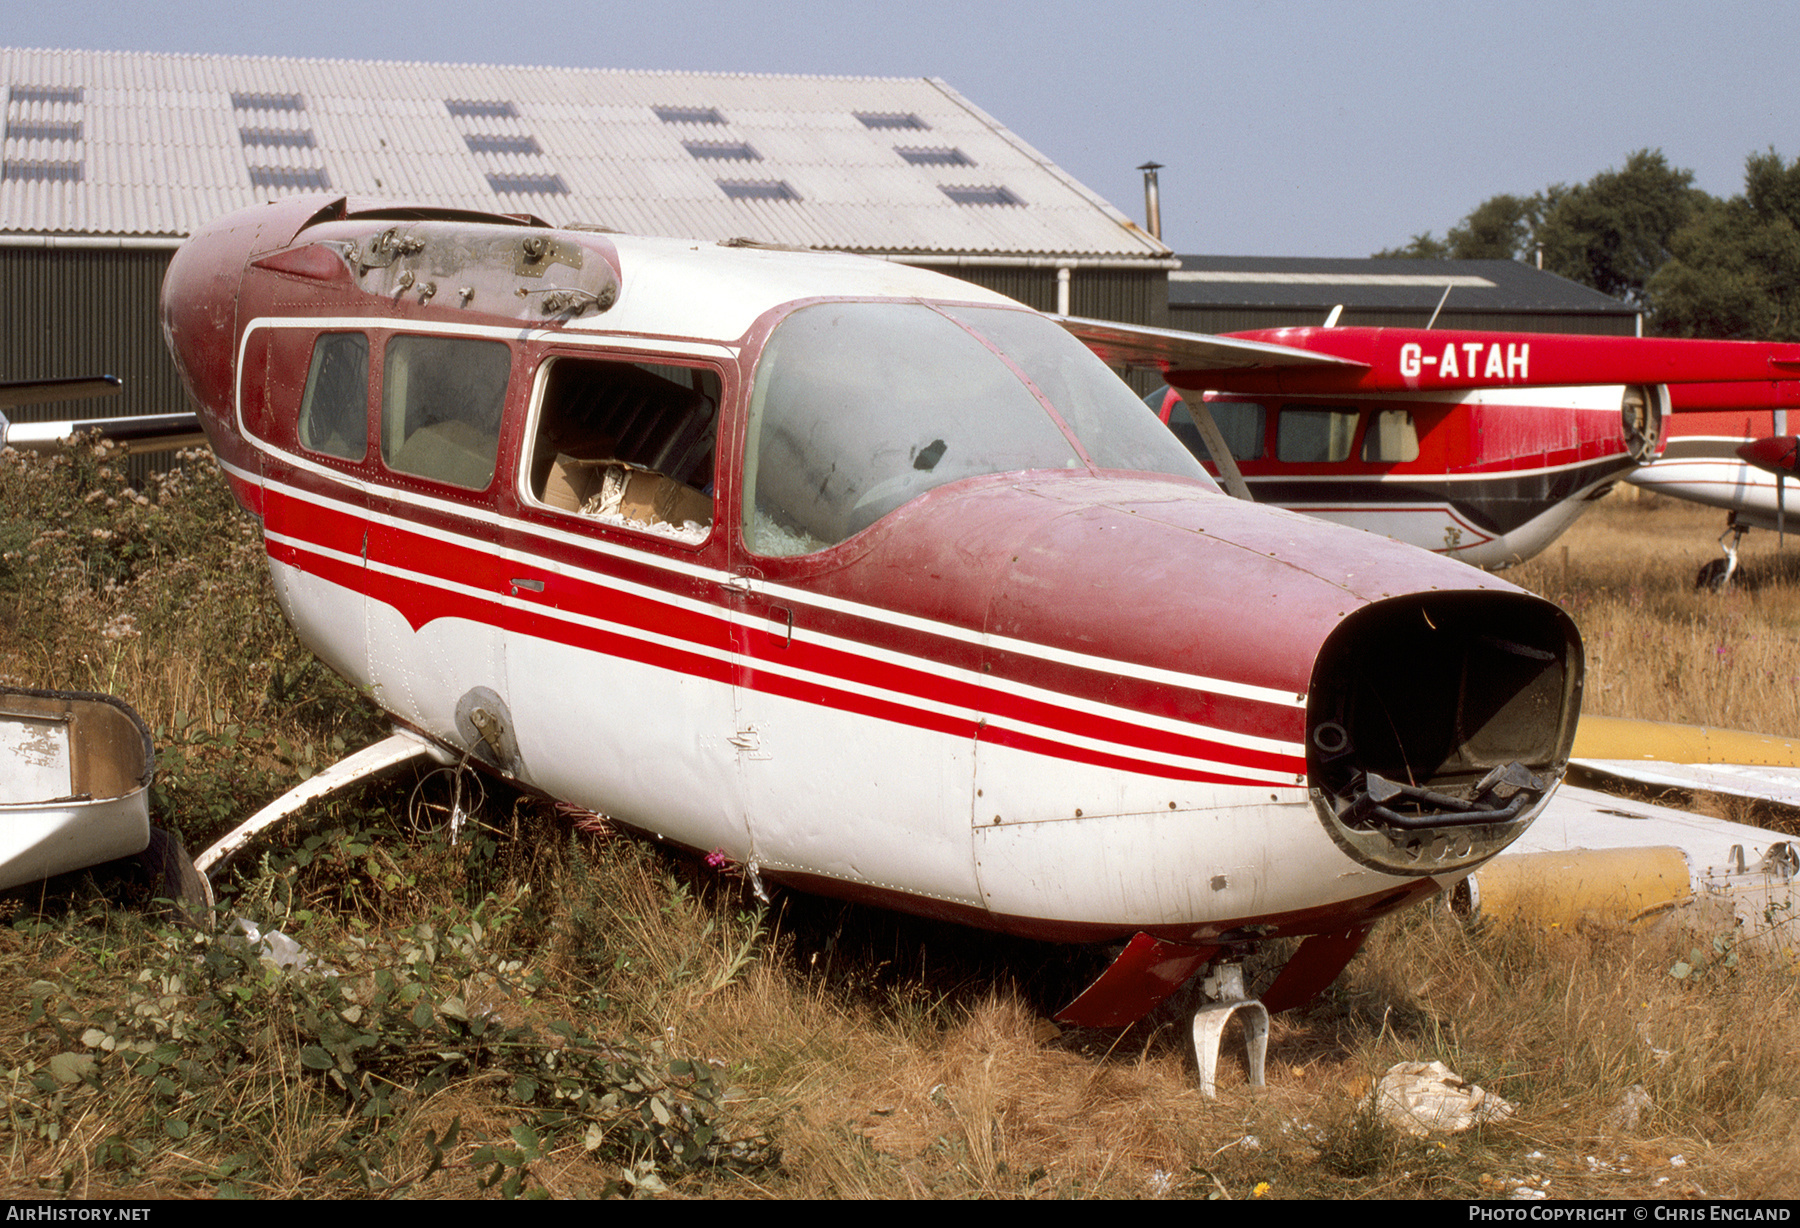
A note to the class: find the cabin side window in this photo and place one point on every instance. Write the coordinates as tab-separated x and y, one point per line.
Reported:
441	399
1315	434
334	414
627	443
1243	424
1392	438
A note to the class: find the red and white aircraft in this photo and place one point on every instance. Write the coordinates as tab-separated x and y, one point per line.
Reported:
1482	446
1730	447
874	581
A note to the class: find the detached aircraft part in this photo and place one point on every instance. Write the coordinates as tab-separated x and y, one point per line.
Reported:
141	432
75	772
384	756
1592	855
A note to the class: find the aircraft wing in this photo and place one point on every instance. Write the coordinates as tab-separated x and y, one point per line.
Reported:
1168	349
14	393
1374	360
143	432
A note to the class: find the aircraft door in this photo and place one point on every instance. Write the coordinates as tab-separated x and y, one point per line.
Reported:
435	581
618	637
850	769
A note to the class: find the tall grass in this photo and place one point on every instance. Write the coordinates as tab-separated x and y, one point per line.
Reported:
541	1008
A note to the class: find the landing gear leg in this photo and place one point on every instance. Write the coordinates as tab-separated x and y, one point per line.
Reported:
1223	985
1716	575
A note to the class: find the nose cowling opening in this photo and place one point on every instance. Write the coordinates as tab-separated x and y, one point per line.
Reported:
1439	723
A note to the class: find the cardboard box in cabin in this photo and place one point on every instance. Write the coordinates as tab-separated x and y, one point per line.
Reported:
646	497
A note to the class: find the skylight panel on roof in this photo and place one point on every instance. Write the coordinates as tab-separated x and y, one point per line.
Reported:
292	138
527	185
267	102
290	177
891	119
44	93
722	151
972	195
501	143
43	130
934	157
482	108
689	115
42	172
757	189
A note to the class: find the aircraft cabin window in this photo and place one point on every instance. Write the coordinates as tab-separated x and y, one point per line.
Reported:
859	408
1243	424
1099	408
1314	434
441	399
628	443
334	415
1392	438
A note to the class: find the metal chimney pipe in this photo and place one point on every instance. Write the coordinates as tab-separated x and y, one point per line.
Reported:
1152	204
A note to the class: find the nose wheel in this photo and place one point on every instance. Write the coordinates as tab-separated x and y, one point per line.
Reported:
1223	986
1715	576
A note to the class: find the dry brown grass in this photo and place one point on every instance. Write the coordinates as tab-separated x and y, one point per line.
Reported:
1659	650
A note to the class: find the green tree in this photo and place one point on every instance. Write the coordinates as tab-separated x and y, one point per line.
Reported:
1613	232
1424	246
1734	270
1499	228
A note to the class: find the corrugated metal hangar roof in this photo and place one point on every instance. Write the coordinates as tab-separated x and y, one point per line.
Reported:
139	144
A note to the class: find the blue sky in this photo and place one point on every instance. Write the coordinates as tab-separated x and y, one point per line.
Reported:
1284	129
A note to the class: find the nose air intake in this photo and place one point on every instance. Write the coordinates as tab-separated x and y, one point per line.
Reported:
1437	724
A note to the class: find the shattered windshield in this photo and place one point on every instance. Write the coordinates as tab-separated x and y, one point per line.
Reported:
859	408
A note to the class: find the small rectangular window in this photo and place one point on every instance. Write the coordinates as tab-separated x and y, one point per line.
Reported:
441	399
501	143
892	119
334	414
934	157
757	189
289	138
689	115
43	130
528	185
42	172
977	195
1392	438
45	93
480	108
1315	434
293	178
267	102
722	151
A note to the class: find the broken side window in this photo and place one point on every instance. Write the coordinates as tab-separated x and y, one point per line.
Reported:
628	443
334	415
441	399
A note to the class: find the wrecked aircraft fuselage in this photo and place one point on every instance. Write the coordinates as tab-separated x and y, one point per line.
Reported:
873	580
